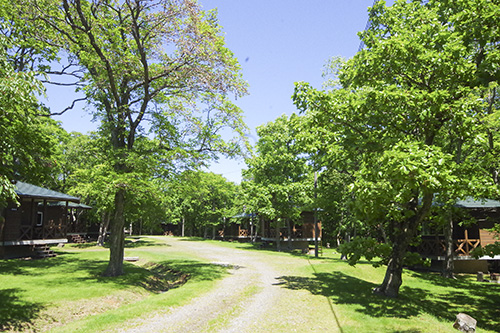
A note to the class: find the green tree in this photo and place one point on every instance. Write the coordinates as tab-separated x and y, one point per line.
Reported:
26	144
202	201
411	92
150	66
279	172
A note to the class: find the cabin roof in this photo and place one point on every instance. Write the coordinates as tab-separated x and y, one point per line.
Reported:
477	203
70	205
32	191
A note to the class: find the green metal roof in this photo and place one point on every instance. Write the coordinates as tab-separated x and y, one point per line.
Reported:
477	203
32	191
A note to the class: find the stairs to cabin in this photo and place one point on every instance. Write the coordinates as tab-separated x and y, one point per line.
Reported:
77	239
42	251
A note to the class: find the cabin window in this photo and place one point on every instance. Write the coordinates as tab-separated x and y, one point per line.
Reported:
39	219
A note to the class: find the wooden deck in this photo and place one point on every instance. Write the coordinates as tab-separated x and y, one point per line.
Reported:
34	242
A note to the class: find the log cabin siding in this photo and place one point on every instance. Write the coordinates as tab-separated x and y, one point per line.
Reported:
487	237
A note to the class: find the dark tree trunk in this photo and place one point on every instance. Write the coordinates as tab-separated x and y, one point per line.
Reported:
448	265
289	230
117	237
393	275
103	229
402	234
278	236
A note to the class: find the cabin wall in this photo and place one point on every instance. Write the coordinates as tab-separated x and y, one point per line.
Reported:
12	224
470	266
303	229
33	220
486	236
486	220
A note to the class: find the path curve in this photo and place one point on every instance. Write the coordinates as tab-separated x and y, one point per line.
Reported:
242	302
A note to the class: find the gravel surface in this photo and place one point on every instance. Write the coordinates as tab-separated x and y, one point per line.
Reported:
250	299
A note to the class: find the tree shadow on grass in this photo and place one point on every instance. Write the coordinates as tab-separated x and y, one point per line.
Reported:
193	239
136	242
16	314
68	271
481	302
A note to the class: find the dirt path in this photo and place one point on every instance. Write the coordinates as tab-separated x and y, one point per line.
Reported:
250	299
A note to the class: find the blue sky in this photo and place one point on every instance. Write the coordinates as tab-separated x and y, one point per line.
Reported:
278	42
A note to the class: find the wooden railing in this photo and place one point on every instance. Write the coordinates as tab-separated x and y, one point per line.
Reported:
48	231
437	246
465	246
431	247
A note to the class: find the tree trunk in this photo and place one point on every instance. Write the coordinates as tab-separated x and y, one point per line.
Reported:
393	275
403	233
278	240
289	230
117	238
103	229
448	265
182	226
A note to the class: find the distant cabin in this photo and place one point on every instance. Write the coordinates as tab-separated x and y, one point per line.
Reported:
43	218
251	226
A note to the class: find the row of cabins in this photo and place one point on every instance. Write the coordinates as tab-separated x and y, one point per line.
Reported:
300	235
47	217
250	228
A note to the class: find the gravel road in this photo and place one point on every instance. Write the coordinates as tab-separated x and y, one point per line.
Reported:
251	299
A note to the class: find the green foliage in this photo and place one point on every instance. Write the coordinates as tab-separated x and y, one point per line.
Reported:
159	78
200	200
28	135
409	108
278	182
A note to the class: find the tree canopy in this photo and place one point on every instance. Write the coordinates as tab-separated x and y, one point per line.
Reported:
147	69
407	104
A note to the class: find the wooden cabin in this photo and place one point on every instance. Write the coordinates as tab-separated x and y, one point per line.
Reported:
43	217
302	232
242	230
465	238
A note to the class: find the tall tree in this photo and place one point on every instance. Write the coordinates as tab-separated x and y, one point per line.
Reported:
26	142
280	172
414	88
202	201
158	66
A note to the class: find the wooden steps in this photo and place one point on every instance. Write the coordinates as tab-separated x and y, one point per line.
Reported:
76	239
42	251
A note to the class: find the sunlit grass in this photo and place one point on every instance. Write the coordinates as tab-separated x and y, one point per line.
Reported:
38	294
68	293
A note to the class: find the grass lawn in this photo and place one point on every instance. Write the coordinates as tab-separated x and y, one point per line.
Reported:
427	302
67	293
